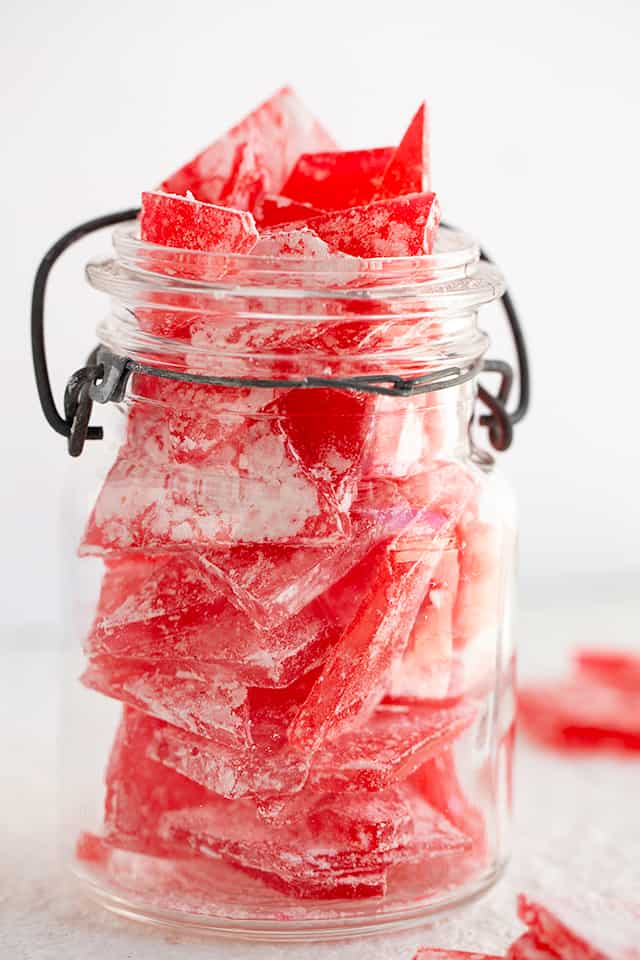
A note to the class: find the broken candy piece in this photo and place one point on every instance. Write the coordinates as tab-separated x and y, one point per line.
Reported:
303	858
337	179
168	609
409	168
91	848
355	675
188	224
437	780
587	928
437	953
580	715
425	669
139	790
254	490
399	227
208	700
275	209
278	131
394	742
477	606
527	947
272	582
617	669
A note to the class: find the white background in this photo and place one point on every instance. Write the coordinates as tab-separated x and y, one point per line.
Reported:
535	145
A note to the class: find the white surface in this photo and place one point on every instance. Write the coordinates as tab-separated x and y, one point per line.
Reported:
535	148
578	818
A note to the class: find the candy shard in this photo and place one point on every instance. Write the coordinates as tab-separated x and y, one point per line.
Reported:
425	669
336	180
314	258
207	700
278	131
275	209
399	227
139	790
618	669
584	928
172	221
355	676
169	609
409	167
527	947
581	714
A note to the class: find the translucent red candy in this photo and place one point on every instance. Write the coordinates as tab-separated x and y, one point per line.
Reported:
275	209
425	669
589	927
169	609
255	156
527	947
309	860
617	669
409	167
580	714
400	227
352	680
208	700
395	741
181	222
337	179
139	791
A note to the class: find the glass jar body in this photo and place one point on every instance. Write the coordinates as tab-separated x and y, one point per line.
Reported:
291	621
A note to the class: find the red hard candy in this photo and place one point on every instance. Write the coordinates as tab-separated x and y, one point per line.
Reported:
588	927
171	221
337	179
399	227
477	606
437	780
262	148
355	676
139	790
395	741
409	167
173	610
580	714
617	669
254	490
425	669
527	947
206	699
305	859
275	209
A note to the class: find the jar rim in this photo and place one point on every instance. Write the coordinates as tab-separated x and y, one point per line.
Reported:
453	275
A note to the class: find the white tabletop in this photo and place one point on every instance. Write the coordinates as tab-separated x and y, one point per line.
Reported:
577	817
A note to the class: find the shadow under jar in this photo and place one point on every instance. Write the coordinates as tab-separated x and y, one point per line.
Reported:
290	605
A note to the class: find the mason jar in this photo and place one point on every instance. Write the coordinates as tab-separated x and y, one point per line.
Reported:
290	671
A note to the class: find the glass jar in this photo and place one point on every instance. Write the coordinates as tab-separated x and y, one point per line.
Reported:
290	703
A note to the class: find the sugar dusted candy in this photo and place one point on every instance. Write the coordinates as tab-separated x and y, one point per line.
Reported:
266	143
527	947
587	927
399	227
409	169
186	223
337	179
275	209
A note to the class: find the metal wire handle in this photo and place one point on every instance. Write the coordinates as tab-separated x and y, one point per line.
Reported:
105	376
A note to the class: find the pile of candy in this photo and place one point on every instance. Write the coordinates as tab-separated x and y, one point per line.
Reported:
293	578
